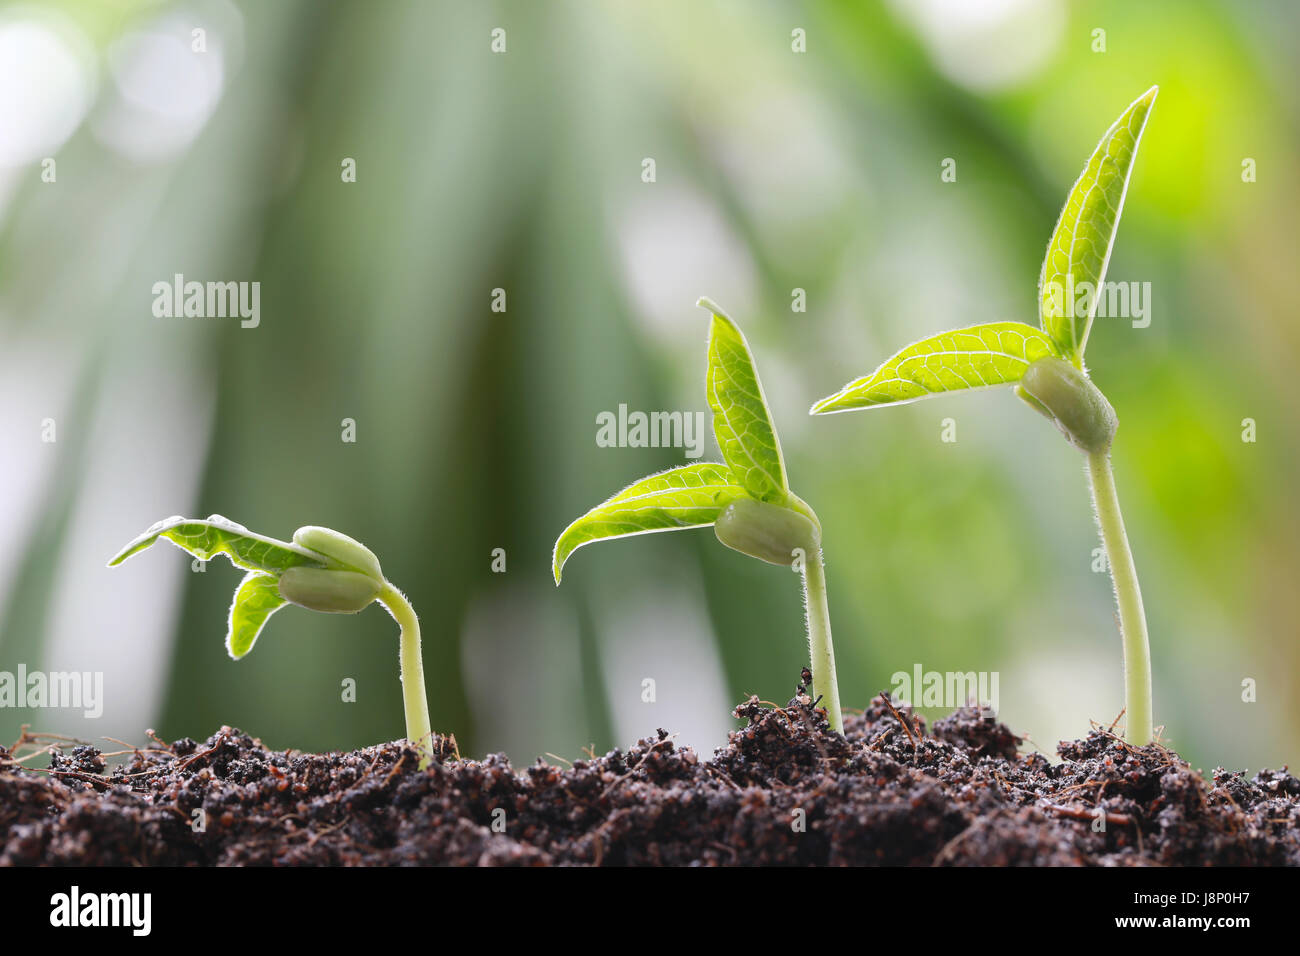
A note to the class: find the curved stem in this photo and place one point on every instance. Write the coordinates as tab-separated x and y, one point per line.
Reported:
414	699
821	651
1132	618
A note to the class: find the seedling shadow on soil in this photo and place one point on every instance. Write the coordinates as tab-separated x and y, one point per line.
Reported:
784	790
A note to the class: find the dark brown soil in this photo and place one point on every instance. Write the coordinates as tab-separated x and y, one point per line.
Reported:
785	790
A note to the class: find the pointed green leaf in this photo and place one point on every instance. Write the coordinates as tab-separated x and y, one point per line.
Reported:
687	497
217	535
256	599
742	423
982	356
1080	247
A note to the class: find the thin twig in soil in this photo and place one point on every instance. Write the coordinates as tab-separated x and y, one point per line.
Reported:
366	773
91	778
26	737
1225	794
1026	739
890	704
139	773
948	847
35	753
396	767
788	727
723	777
1118	717
598	837
133	749
1156	741
1119	740
313	837
1078	813
812	731
1080	786
722	846
997	775
641	763
123	753
221	739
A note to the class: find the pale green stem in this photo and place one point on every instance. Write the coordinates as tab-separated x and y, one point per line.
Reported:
415	700
822	652
1132	618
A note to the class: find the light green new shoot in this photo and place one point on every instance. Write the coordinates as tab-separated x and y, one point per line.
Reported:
321	570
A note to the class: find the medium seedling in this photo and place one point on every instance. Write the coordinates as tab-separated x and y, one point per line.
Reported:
747	500
320	570
1046	367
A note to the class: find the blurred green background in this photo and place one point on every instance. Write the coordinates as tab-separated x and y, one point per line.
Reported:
775	170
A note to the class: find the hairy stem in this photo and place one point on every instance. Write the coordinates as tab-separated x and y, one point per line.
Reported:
1132	618
821	650
414	699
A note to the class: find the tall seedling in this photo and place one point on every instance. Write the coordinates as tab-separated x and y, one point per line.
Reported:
1046	367
747	500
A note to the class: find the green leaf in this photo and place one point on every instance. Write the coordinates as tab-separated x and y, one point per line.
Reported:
982	356
256	599
742	423
217	535
691	496
1080	247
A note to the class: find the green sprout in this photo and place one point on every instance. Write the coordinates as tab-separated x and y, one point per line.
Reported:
1046	367
748	500
320	570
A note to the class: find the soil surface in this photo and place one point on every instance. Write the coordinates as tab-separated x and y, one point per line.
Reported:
784	790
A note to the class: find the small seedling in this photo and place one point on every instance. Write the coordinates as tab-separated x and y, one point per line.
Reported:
320	570
1046	367
747	500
